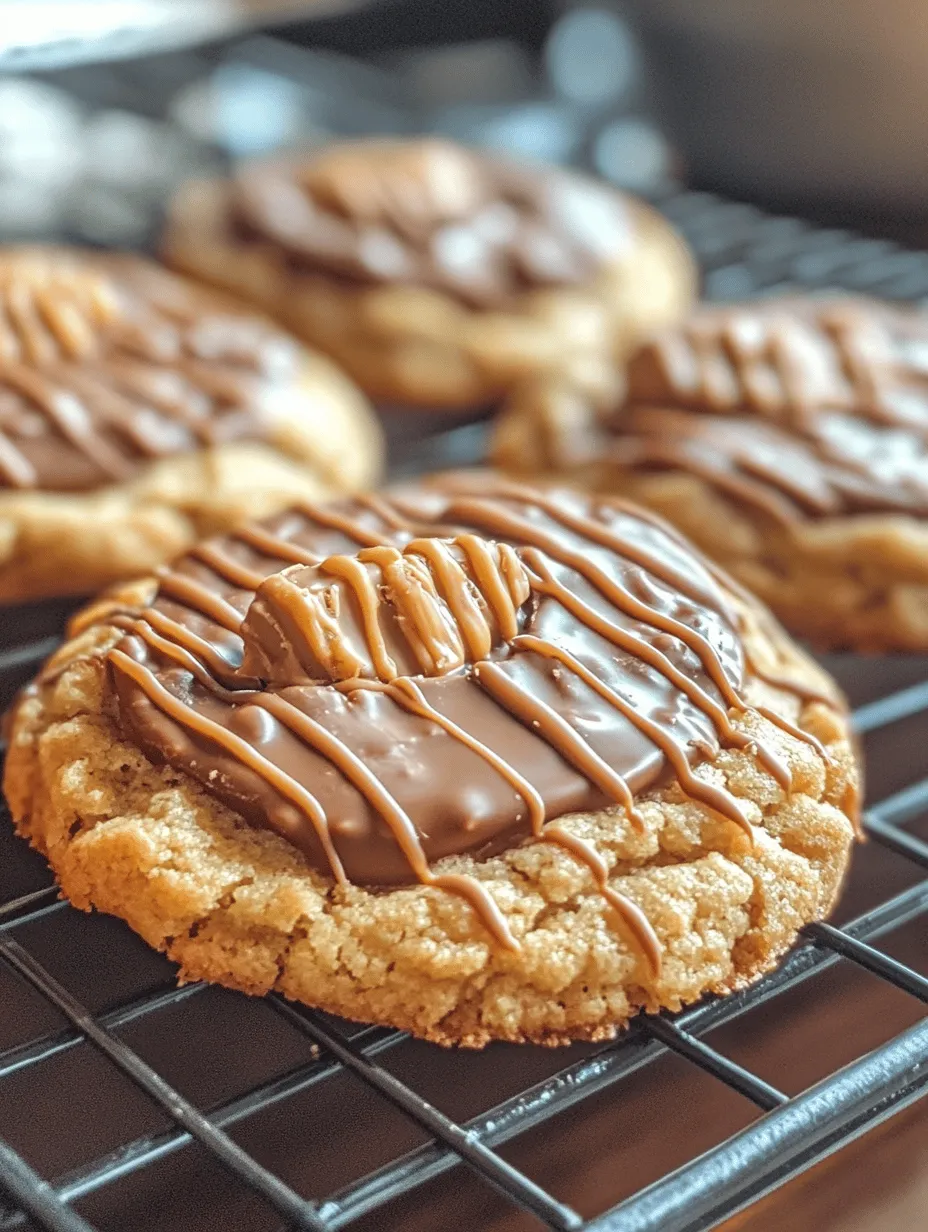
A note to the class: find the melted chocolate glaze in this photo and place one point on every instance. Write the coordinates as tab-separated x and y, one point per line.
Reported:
107	363
433	214
797	408
393	679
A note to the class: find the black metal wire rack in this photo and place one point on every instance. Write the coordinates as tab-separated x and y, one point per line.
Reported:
742	252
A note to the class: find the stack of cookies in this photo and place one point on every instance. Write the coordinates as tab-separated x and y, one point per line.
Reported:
484	756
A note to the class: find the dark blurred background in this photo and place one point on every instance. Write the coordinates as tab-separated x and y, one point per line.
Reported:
811	108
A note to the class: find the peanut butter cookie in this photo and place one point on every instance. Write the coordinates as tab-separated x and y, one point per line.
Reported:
438	276
139	412
788	438
468	759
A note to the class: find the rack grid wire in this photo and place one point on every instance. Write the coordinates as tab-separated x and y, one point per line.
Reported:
742	252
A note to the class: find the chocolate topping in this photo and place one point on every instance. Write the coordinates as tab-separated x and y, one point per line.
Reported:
107	362
795	407
431	213
391	680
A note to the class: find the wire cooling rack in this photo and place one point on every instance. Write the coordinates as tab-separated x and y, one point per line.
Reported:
95	1106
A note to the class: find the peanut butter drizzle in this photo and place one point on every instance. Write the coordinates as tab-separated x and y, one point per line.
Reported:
641	611
352	570
719	801
621	544
50	309
794	408
779	357
471	598
195	595
143	627
404	831
502	581
789	684
409	695
848	333
635	919
119	408
796	732
187	717
226	566
533	712
642	451
335	751
15	470
108	362
211	667
129	380
498	522
341	757
273	546
470	632
442	620
445	594
349	526
378	506
316	626
545	583
66	415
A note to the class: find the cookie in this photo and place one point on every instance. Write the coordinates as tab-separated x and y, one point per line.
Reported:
139	412
788	438
435	275
468	759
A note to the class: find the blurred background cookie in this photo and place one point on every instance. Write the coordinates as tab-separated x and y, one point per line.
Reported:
788	438
436	275
138	411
